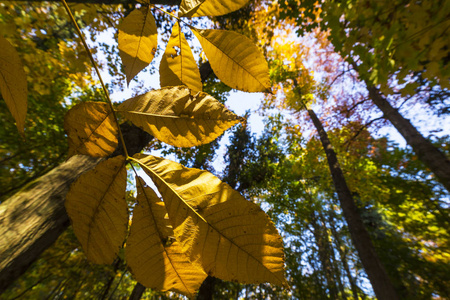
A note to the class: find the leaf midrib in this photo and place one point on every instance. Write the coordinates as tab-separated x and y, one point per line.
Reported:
173	117
203	219
226	54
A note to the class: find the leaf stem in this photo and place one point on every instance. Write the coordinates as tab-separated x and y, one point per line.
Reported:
98	74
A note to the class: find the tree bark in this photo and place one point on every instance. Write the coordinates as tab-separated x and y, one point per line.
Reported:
431	156
377	274
32	219
137	292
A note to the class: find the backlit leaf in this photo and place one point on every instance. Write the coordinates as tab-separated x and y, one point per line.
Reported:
178	66
178	118
232	238
91	129
198	8
98	211
152	254
138	39
13	83
235	59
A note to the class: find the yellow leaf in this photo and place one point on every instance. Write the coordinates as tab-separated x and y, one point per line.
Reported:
235	59
178	118
98	211
178	66
198	8
138	39
232	238
13	83
155	259
91	129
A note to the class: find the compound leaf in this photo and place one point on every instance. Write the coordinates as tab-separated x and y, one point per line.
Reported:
138	40
154	257
178	66
178	118
91	129
235	59
97	208
232	238
13	83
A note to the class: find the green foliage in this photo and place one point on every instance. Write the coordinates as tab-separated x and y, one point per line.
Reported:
190	244
379	36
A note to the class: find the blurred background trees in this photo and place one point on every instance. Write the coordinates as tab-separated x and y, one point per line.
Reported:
360	65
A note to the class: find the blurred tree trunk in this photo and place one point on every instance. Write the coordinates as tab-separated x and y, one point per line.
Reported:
32	219
321	238
343	256
431	156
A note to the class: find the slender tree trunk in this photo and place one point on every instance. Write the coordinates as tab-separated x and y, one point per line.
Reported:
110	280
324	255
378	277
336	269
137	292
431	156
343	256
32	219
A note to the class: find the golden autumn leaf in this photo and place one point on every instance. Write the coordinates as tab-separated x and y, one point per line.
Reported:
91	129
138	40
178	66
199	8
232	238
235	59
153	256
13	83
98	211
178	118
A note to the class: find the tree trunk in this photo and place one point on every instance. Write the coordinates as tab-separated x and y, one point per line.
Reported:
321	238
431	156
343	255
32	219
378	277
336	269
137	292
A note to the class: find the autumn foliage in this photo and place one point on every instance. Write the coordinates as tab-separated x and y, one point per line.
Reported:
202	226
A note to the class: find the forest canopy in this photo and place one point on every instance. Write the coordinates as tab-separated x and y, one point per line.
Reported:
125	199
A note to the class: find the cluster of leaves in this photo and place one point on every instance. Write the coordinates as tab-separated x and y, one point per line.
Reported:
55	71
202	226
385	37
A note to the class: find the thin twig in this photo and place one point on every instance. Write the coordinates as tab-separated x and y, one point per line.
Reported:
98	74
360	130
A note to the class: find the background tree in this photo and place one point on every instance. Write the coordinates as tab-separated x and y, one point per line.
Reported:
311	222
